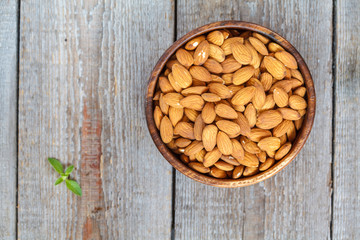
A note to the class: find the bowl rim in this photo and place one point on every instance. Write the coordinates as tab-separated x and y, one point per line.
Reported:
279	165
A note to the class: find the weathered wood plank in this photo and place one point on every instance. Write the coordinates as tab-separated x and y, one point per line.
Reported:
8	128
289	205
84	66
346	209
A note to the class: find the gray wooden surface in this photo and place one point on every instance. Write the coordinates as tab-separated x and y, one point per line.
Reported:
8	118
83	69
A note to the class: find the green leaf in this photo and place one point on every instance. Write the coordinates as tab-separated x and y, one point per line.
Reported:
56	165
69	170
59	180
74	187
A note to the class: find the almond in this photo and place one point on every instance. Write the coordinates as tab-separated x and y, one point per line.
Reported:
218	173
226	46
224	166
193	43
249	146
250	160
182	142
250	114
234	88
274	47
184	57
284	84
191	114
238	171
267	164
184	129
181	76
296	74
296	102
184	158
274	67
269	103
283	151
228	127
213	66
157	96
173	83
259	95
269	144
197	83
266	80
241	53
256	61
243	123
243	75
216	53
258	45
199	167
220	90
200	73
173	100
228	78
302	112
230	65
282	128
166	130
158	115
211	157
301	91
208	113
165	85
194	90
193	148
256	134
239	108
269	119
224	143
230	159
263	39
175	115
198	127
298	123
238	151
193	102
216	37
200	155
289	114
243	96
163	105
250	171
291	133
171	63
209	135
201	53
261	156
225	33
287	59
210	97
225	111
217	79
281	98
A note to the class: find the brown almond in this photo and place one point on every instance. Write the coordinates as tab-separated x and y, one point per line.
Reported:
274	47
191	114
224	166
269	144
184	158
165	85
163	105
269	103
302	112
295	83
193	102
300	91
166	130
283	139
182	142
211	97
226	46
239	108
172	145
256	134
158	115
291	133
241	53
218	173
296	102
288	73
198	127
216	53
261	156
238	171
296	74
243	123
228	78
243	96
194	90
282	128
199	167
213	66
167	72
255	58
209	135
171	63
175	115
193	43
212	157
287	59
217	79
193	148
250	171
215	37
234	88
274	67
219	89
259	95
284	84
243	75
157	96
201	53
228	127
289	114
230	159
184	57
185	130
225	33
200	155
197	83
181	76
238	151
173	83
224	143
258	45
225	111
250	114
281	98
283	150
263	39
249	146
267	164
266	80
269	119
230	65
208	113
249	160
200	73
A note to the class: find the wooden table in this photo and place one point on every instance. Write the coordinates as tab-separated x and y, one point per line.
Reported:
72	84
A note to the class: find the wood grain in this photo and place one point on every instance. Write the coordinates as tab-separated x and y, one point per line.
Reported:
346	209
83	71
288	205
8	118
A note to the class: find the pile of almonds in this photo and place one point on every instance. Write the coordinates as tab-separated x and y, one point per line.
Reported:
230	103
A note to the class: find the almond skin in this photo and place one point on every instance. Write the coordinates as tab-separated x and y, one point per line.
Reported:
281	98
210	97
193	102
184	129
289	114
198	127
243	96
215	37
212	157
258	45
283	150
243	75
166	130
216	53
238	171
209	135
200	73
296	102
230	65
225	111
228	127
219	89
241	53
175	115
184	57
269	144
274	67
199	167
158	115
201	53
208	113
193	43
287	59
226	46
194	90
224	143
213	66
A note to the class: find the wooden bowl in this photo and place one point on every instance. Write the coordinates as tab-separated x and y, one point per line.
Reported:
302	135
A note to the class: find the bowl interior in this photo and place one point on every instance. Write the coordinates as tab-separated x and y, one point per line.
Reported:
302	135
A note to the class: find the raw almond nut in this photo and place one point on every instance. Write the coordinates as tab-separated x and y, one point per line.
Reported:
216	37
193	43
194	90
197	83
298	123
266	80
218	173
243	123
288	73
158	115
250	171
238	151
269	144
224	166
230	65
238	171
211	157
209	135
192	157
184	57
172	145
261	156
225	33
226	46
208	113
171	63
184	158
193	148
243	96
228	78
217	79
198	127
250	160
230	159
193	102
201	53
213	66
225	111
220	90
250	114
255	61
287	59
301	91
263	39
199	167
296	74
224	143
274	47
163	105
166	130
267	164
295	83
228	127
239	108
234	89
165	85
249	146
259	95
173	83
167	72
191	114
283	151
157	96
200	73
181	76
269	103
184	129
243	75
269	119
241	53
282	128
258	45
289	114
291	133
281	98
283	139
274	67
175	115
302	112
200	155
211	97
296	102
256	134
182	142
216	53
284	84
